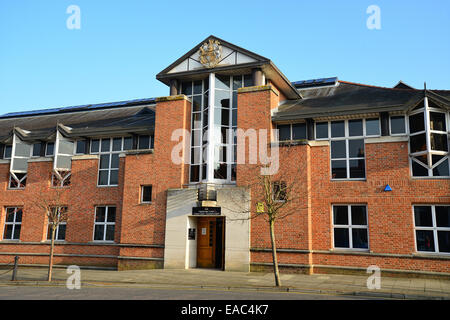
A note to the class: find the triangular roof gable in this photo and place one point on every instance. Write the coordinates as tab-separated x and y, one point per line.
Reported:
402	85
231	55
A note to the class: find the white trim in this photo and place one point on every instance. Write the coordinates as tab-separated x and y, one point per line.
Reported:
349	227
104	223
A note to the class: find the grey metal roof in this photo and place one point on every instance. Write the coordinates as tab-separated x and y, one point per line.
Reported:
350	98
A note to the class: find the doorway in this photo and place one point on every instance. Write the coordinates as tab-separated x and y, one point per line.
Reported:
210	242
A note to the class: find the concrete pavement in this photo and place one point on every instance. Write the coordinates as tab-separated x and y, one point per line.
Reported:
399	288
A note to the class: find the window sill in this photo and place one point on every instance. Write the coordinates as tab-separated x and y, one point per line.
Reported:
349	250
144	203
432	255
9	241
102	242
15	189
359	179
430	178
111	186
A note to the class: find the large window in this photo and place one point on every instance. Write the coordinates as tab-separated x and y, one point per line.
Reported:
432	228
60	232
347	145
429	140
295	131
13	224
350	227
105	221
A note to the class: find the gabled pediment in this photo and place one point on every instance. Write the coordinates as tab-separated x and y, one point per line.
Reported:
212	53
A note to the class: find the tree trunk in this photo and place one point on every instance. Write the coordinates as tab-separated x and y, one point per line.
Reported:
50	263
274	253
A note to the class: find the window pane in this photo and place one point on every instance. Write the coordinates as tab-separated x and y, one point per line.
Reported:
284	132
106	145
103	177
337	129
398	125
222	82
109	233
322	130
356	148
359	238
50	149
195	173
95	145
338	149
198	87
114	179
221	171
418	170
81	147
100	214
355	128
16	235
418	143
61	232
196	120
99	232
19	215
339	169
425	240
8	232
195	155
442	170
186	88
359	216
340	214
117	144
144	142
372	127
422	216
357	169
196	103
146	193
416	123
237	82
115	161
104	161
299	131
443	216
248	80
127	143
111	214
437	121
444	241
10	215
36	149
341	239
439	142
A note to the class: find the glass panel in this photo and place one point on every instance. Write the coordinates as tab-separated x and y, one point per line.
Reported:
422	216
359	216
435	158
224	135
204	171
356	148
115	161
196	138
81	147
398	125
418	143
127	143
234	117
111	214
222	82
237	82
117	144
104	161
103	177
225	117
340	215
144	142
99	232
196	120
8	150
337	129
439	142
235	100
205	100
357	169
341	238
61	232
372	127
8	232
114	179
248	80
22	149
195	155
338	169
442	170
36	149
425	240
222	99
196	103
205	117
146	193
198	87
437	121
109	233
418	170
284	132
19	215
100	214
338	149
10	215
359	238
186	88
355	128
95	145
195	173
444	241
16	235
221	171
416	123
233	172
443	216
322	130
50	149
106	145
299	131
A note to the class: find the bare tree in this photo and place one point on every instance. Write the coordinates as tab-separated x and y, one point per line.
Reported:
52	203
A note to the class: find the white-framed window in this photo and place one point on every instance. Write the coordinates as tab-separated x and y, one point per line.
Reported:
81	146
60	232
350	227
36	150
293	131
432	228
50	149
104	225
13	223
7	152
146	194
279	191
64	182
397	125
19	183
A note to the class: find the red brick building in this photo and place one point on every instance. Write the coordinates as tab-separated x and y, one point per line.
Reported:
167	182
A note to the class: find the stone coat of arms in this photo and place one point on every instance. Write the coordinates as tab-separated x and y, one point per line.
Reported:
210	53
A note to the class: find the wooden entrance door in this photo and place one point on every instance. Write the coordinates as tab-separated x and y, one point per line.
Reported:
206	242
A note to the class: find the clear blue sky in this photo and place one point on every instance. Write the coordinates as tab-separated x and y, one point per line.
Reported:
122	45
